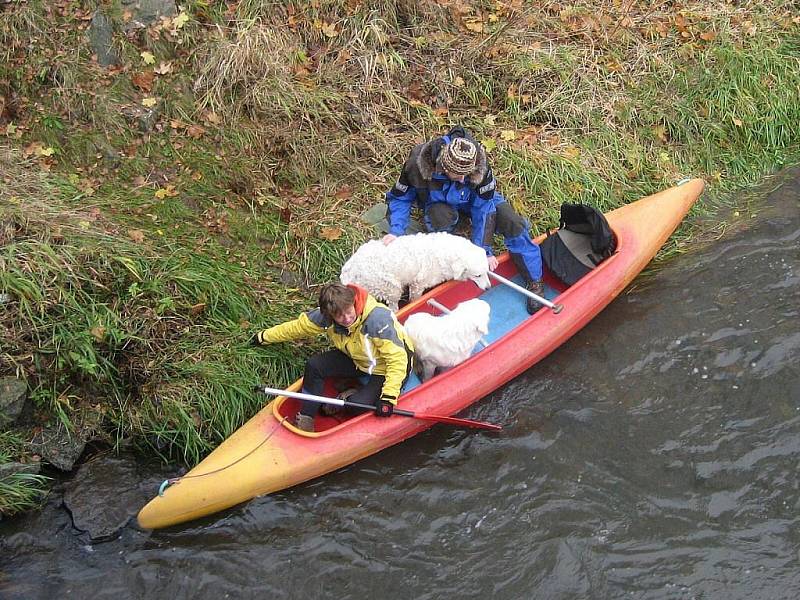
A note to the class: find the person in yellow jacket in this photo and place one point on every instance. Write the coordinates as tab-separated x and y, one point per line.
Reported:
368	340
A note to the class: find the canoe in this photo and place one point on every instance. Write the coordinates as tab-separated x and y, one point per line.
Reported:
268	453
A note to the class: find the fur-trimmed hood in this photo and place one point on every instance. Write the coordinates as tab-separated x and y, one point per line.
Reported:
429	158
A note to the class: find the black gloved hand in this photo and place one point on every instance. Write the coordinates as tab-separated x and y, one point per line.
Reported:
254	341
383	408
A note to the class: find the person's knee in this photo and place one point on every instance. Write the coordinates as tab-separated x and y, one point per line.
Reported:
314	366
509	223
441	216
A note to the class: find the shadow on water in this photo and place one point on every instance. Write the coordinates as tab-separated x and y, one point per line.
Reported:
652	456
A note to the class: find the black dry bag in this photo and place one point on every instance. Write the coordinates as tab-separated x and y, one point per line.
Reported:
582	242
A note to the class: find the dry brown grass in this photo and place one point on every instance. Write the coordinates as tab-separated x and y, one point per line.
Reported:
33	203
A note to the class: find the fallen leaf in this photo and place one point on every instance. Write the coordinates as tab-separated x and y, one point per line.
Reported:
195	132
31	149
329	29
737	122
143	80
180	20
330	233
458	81
149	102
344	193
571	152
660	132
708	36
163	68
137	235
748	27
98	333
46	151
488	144
213	117
475	26
162	193
508	134
197	308
148	57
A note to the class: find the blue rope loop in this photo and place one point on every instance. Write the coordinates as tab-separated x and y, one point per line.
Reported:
164	486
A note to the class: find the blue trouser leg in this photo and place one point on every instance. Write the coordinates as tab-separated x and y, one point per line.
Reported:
514	230
523	246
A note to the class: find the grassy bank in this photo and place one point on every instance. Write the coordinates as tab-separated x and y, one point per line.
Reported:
155	212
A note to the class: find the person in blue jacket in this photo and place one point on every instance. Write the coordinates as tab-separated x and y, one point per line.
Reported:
450	176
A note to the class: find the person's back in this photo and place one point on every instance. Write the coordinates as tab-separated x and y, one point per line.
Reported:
449	177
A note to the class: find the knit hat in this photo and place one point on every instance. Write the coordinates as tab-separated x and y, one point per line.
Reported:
459	157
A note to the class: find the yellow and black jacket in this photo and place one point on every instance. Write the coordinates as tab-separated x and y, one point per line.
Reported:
375	341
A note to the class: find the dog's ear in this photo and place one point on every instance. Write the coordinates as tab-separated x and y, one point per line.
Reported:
460	271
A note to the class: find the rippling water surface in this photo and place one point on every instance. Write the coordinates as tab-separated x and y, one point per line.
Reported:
655	455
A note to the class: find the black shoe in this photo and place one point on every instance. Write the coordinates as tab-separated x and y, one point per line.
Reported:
537	287
331	410
304	422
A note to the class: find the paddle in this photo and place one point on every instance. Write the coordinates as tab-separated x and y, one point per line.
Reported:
397	411
557	308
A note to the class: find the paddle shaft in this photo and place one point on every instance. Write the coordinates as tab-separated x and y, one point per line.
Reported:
557	308
397	411
447	311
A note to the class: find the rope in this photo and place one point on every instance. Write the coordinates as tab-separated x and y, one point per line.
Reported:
168	482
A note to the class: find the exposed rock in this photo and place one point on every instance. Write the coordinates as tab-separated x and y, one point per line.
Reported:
100	37
110	155
144	118
292	279
12	468
13	393
144	12
376	216
58	446
104	495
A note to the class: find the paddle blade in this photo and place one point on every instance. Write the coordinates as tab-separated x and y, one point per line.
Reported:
457	421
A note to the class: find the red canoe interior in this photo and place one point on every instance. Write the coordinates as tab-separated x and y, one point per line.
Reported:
450	295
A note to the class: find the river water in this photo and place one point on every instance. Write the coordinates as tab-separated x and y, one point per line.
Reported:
655	455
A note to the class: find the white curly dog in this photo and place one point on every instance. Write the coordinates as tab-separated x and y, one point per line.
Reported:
417	262
447	340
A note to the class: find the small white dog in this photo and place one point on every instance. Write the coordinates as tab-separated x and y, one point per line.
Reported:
447	340
416	261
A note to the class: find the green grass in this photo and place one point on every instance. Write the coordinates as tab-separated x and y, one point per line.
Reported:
18	491
142	262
